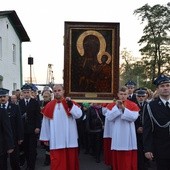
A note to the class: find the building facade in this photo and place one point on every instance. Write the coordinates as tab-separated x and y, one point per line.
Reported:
12	34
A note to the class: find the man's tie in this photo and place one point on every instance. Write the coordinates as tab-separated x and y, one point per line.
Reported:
26	103
130	97
3	106
167	105
141	105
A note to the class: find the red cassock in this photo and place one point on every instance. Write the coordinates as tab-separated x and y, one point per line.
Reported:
107	151
107	154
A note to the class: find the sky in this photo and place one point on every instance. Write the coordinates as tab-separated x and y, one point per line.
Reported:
44	23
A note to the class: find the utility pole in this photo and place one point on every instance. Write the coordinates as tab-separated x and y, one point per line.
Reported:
30	62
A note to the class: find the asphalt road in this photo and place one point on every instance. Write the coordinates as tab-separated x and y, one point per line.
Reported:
87	162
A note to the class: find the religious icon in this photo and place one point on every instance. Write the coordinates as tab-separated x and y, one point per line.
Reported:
91	45
90	60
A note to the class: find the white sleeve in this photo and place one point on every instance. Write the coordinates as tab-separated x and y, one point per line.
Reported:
104	111
113	114
129	115
45	129
76	112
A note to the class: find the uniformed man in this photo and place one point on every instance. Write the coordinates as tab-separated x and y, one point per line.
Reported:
30	111
131	87
14	115
141	96
34	93
156	129
6	138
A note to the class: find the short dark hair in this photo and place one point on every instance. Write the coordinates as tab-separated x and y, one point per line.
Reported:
123	88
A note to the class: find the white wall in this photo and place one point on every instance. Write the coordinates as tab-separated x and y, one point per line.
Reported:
9	70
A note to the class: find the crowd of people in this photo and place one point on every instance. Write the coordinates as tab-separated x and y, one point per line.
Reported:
127	134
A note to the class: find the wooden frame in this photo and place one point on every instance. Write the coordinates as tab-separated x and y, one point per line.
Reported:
91	60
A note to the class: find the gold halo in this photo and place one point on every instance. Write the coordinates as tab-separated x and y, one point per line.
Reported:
108	55
101	39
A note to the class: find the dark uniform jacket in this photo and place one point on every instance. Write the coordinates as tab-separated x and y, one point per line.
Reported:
6	140
31	115
14	115
95	119
133	98
138	122
157	139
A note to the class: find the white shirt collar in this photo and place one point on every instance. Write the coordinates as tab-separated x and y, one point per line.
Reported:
164	101
6	104
27	100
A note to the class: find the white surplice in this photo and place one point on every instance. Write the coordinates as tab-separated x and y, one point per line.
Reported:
122	126
61	130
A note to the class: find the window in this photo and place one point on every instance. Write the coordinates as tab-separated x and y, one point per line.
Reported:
0	47
14	53
14	86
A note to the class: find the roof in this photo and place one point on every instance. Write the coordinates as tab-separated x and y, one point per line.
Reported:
14	19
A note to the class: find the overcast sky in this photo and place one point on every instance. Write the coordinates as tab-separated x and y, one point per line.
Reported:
44	23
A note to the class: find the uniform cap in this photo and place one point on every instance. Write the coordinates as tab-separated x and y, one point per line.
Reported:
161	79
4	92
141	91
33	87
130	83
26	87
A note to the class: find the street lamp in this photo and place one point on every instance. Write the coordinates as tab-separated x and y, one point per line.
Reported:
30	62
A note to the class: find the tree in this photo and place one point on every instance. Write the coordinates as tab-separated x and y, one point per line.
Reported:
132	69
155	41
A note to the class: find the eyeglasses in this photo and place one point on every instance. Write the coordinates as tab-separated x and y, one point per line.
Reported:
140	96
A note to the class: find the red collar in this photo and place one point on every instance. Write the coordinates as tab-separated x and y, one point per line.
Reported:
128	104
48	110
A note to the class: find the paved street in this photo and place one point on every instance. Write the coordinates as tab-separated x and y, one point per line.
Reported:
87	162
